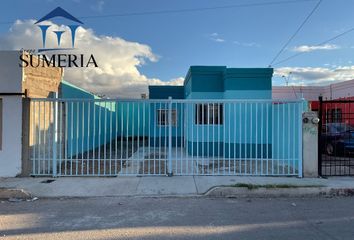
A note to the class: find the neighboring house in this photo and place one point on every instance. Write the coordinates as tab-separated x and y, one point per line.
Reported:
15	82
36	82
335	112
202	123
332	91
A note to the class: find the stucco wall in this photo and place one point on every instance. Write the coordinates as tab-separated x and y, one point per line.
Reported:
311	93
11	73
10	153
10	82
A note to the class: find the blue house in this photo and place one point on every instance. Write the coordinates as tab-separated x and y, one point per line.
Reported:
203	123
206	121
221	121
220	82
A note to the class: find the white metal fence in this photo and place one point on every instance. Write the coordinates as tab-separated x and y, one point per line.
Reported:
100	137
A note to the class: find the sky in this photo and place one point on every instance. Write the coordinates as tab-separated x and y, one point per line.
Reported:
154	42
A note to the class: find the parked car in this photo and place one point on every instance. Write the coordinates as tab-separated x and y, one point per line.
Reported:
338	139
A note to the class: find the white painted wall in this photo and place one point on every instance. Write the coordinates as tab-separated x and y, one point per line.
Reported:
11	81
339	90
311	93
10	154
10	72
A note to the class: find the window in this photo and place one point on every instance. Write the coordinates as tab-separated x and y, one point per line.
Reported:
162	117
337	115
209	113
328	116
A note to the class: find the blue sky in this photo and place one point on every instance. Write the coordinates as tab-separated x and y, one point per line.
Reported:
235	37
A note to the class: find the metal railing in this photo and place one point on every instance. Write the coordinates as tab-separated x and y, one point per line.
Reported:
104	137
336	137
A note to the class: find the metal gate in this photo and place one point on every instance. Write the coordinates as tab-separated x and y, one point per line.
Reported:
105	137
336	137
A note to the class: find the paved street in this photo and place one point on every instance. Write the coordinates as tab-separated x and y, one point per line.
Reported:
178	218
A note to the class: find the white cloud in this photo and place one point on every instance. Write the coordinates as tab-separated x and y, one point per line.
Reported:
316	75
118	73
219	40
247	44
216	37
309	48
173	82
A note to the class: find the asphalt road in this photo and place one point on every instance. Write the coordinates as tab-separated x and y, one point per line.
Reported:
178	218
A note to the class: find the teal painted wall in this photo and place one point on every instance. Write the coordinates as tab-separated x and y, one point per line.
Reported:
213	79
219	82
164	92
132	118
93	124
248	79
88	124
247	94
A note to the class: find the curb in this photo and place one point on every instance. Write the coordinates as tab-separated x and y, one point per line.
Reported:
8	193
244	192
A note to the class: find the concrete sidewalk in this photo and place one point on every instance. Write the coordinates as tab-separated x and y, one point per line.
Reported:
215	186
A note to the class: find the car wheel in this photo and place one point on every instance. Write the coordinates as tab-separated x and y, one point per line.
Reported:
329	149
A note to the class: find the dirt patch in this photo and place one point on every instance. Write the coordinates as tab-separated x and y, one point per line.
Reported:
244	167
91	167
153	167
154	163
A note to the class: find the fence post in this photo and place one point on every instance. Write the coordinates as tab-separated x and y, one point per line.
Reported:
300	162
169	170
319	161
54	138
26	137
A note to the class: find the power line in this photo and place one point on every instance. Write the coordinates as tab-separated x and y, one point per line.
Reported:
296	32
196	9
185	10
319	44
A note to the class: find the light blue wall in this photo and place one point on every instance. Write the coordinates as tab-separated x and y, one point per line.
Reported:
286	129
88	124
219	82
158	133
132	118
237	131
249	130
94	124
247	94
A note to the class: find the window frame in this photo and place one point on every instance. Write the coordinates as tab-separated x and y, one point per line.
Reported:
165	110
209	114
336	115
